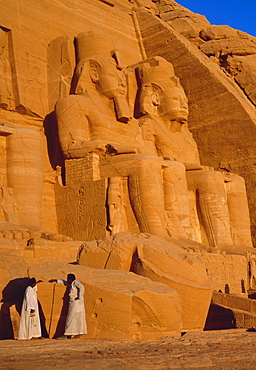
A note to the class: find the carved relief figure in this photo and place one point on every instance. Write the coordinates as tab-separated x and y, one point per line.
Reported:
33	88
117	215
9	205
60	69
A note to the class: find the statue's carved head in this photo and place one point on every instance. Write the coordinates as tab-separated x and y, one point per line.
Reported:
103	72
160	91
109	79
97	62
98	70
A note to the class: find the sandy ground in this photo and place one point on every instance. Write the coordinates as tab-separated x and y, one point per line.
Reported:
225	349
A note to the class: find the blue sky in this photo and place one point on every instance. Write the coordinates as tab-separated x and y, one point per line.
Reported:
239	14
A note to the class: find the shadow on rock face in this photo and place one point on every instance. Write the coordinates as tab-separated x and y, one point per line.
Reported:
60	329
14	290
12	295
10	309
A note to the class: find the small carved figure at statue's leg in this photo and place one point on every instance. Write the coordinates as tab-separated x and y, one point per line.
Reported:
177	211
212	206
238	210
147	198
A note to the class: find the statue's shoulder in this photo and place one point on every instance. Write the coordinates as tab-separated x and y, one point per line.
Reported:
72	101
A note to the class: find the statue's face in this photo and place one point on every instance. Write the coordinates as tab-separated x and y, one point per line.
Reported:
111	81
173	104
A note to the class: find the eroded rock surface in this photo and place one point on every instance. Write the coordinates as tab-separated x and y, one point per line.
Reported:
118	304
97	145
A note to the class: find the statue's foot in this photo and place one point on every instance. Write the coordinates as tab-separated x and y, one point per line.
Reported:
12	231
233	249
39	232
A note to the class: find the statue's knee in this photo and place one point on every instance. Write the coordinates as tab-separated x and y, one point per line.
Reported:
149	163
209	177
174	169
235	183
207	181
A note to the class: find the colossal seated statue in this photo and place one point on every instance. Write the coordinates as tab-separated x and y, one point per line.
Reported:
170	192
97	119
164	109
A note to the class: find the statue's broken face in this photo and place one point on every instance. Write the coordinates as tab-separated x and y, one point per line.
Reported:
110	81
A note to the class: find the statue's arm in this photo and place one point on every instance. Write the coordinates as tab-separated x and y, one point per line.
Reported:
73	128
74	123
79	149
196	166
165	144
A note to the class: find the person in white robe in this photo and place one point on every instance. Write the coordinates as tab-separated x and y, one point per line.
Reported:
75	322
30	326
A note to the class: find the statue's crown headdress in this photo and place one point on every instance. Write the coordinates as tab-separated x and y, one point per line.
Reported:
155	69
91	44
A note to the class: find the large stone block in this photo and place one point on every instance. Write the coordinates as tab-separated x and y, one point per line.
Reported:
159	260
184	273
223	275
115	252
118	304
